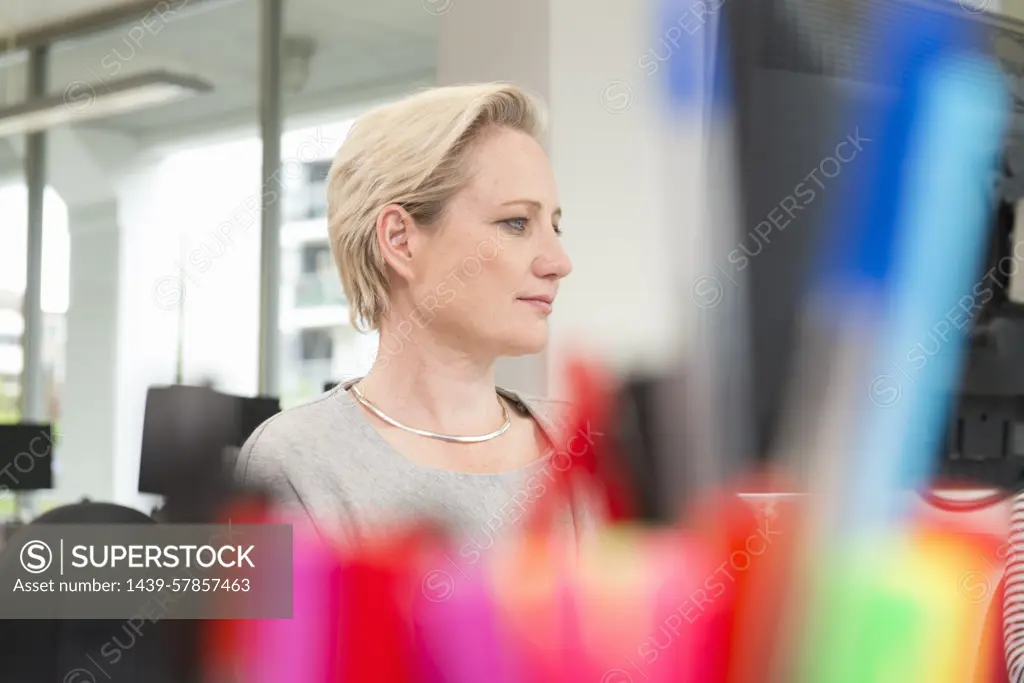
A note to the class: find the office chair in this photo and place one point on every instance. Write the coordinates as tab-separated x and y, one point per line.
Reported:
58	651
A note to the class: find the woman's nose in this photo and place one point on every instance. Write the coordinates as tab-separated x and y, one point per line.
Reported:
554	262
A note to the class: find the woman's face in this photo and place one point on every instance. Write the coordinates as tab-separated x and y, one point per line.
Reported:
487	276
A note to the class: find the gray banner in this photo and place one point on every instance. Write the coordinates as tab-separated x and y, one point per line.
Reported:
154	572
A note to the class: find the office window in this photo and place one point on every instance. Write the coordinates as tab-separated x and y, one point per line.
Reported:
316	344
316	258
318	171
55	293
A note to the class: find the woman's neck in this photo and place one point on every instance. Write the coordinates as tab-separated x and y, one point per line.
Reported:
426	384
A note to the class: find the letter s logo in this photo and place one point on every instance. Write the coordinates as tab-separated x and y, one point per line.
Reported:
36	557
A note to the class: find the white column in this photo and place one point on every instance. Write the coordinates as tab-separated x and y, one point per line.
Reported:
584	57
80	168
148	325
121	335
85	456
120	342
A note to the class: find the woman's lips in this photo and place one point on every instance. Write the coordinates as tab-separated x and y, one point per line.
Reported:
541	305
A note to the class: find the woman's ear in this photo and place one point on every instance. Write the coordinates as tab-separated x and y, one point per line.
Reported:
393	223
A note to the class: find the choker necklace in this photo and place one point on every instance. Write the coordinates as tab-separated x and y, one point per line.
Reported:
365	402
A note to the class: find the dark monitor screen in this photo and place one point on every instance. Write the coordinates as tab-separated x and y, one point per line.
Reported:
800	86
187	430
773	58
184	435
256	411
26	457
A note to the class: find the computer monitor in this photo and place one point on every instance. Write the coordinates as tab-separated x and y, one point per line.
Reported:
184	437
798	79
256	411
26	457
188	429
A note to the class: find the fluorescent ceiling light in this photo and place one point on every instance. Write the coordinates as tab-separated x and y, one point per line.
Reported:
83	101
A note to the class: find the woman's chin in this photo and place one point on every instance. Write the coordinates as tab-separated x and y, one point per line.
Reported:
526	344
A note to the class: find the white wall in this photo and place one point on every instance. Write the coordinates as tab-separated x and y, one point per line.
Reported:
583	58
211	197
608	144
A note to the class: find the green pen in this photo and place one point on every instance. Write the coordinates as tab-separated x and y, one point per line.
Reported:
867	629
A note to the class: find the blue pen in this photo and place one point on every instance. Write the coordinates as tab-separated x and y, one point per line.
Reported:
876	275
943	223
932	138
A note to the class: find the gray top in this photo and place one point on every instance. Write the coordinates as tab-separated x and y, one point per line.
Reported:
325	460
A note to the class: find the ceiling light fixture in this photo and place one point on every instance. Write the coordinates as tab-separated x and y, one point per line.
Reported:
83	101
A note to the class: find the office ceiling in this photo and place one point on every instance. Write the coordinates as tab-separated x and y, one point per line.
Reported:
24	15
338	53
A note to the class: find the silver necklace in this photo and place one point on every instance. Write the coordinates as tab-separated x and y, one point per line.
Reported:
354	389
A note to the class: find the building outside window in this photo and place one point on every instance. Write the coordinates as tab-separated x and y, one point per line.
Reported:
56	245
319	344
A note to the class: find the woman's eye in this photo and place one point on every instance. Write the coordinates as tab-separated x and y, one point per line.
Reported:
516	223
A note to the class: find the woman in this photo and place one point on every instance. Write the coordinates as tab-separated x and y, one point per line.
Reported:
444	224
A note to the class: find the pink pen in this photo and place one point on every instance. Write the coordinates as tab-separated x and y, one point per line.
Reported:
302	648
686	613
457	622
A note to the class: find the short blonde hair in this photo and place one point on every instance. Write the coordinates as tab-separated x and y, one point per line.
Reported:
410	153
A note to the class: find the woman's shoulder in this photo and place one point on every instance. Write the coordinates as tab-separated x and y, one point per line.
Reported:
552	413
571	438
317	426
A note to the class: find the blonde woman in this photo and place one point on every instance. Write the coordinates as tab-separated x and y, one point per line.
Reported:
445	226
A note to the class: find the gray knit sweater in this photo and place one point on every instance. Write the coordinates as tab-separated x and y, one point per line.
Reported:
324	461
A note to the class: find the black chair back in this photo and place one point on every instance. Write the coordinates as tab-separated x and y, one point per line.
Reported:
88	650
